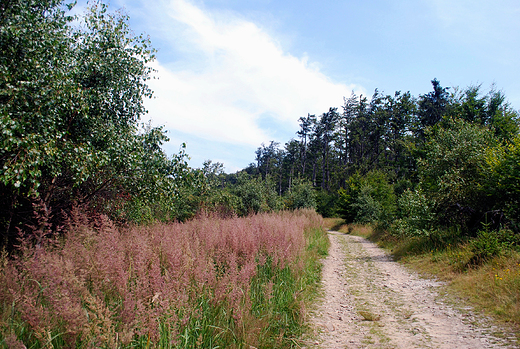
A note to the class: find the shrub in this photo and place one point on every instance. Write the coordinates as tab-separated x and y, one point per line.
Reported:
368	199
415	214
347	196
368	209
485	246
301	195
326	203
452	172
489	244
503	163
256	196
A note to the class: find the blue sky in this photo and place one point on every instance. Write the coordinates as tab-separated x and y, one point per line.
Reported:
234	74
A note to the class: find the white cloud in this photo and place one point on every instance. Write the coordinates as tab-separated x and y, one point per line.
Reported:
233	74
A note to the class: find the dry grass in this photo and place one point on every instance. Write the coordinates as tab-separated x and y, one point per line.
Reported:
358	229
369	316
493	287
333	223
338	224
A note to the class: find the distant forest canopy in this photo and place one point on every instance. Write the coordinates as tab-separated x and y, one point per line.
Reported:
387	133
71	98
457	150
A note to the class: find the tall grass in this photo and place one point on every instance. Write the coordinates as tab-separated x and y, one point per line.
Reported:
207	283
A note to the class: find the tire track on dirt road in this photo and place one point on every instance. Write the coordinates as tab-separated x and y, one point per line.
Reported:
370	301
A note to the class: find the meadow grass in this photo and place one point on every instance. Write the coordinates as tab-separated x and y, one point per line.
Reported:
207	283
491	285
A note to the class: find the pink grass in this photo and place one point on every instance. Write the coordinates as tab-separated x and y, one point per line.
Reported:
106	284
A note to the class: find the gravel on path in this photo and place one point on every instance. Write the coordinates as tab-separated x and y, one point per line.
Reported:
370	301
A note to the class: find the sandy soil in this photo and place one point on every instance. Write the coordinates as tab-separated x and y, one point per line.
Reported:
370	301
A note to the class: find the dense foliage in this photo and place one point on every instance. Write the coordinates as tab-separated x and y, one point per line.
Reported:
72	92
71	96
448	158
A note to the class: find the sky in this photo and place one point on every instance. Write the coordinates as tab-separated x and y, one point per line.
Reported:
233	74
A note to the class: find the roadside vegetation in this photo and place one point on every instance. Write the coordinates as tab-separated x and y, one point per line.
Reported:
207	283
107	241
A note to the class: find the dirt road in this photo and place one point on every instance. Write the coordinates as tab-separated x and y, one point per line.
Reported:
370	301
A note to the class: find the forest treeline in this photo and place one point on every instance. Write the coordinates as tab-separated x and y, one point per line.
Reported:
447	158
71	99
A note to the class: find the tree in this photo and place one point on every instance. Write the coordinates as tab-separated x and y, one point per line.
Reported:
344	132
503	180
255	195
451	171
400	110
325	135
267	158
291	159
358	135
300	195
71	98
367	199
213	172
304	134
490	110
433	105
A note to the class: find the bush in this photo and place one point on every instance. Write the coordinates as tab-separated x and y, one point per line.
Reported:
489	244
504	168
256	196
415	214
368	199
485	246
326	203
368	209
347	196
452	172
301	195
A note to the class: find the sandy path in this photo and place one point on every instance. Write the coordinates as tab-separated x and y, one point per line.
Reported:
360	281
